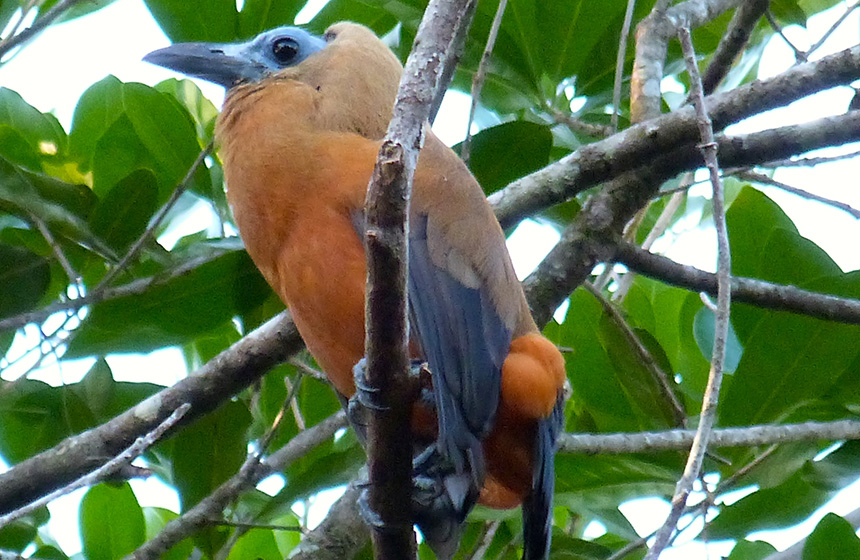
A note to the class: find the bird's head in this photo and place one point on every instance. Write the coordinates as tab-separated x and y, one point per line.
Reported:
231	64
355	74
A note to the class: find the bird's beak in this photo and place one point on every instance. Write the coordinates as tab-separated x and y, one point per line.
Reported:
220	63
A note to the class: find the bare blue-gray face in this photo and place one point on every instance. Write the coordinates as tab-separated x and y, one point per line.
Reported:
229	64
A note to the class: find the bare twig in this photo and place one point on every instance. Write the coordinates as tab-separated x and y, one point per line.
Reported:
832	28
389	447
809	161
580	126
109	468
156	220
708	415
766	180
37	26
249	526
480	76
340	535
799	55
251	472
746	290
486	540
72	275
619	64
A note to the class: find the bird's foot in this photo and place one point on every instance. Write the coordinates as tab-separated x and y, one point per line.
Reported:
367	398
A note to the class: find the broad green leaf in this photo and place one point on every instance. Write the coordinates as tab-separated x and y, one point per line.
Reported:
40	134
75	10
788	12
569	548
17	535
595	387
196	20
35	416
7	10
751	550
24	279
122	127
367	14
112	523
172	312
206	454
789	360
832	538
21	195
504	153
260	15
156	518
122	215
259	544
201	109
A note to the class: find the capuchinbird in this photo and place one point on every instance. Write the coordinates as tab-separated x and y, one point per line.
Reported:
299	134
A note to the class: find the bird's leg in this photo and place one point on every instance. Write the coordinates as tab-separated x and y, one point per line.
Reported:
367	397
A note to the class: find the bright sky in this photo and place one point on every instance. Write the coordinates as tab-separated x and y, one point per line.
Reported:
53	71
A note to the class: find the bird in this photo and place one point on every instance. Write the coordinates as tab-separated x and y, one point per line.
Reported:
298	136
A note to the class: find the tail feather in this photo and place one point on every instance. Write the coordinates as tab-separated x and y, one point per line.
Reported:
537	507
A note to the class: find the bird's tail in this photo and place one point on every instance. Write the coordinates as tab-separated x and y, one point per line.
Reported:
537	507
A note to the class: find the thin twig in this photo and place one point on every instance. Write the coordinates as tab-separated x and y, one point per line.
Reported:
619	64
799	55
248	526
37	26
764	179
67	267
708	415
156	220
480	76
580	126
809	161
128	454
486	540
833	28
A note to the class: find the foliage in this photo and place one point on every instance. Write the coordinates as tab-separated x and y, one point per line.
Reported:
96	189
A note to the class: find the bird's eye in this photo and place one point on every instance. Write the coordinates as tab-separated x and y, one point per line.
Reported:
285	49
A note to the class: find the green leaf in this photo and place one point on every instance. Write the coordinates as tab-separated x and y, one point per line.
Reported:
205	455
121	217
24	279
201	109
156	519
751	550
504	153
35	416
16	536
121	127
790	360
196	20
172	312
259	544
832	539
37	136
260	15
112	523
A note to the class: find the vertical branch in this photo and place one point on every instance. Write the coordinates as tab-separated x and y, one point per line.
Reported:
733	42
708	415
387	210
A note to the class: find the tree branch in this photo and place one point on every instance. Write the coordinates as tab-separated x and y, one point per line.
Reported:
227	374
389	440
636	146
745	290
593	235
110	468
49	17
733	42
